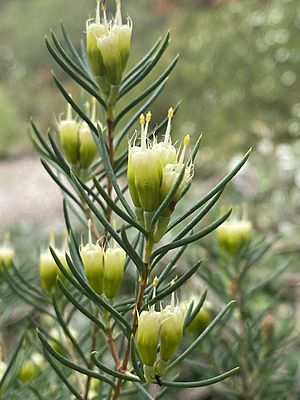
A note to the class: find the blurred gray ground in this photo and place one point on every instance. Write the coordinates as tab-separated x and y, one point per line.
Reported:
27	193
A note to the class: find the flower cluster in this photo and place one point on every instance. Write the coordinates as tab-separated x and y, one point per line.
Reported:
104	268
163	327
77	140
153	170
108	46
233	234
49	270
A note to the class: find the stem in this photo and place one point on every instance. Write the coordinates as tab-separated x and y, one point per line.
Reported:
111	153
90	364
244	361
139	301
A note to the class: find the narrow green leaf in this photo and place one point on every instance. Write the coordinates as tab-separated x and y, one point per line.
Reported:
168	199
196	310
110	172
59	183
116	209
40	137
192	238
142	62
113	372
202	383
59	157
18	289
158	83
78	306
69	60
72	47
208	206
30	287
174	286
207	330
63	360
128	126
62	377
143	391
67	331
86	86
133	254
136	363
12	359
220	185
140	75
73	104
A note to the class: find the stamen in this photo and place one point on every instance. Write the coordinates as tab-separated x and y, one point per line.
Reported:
103	7
69	112
168	130
154	284
186	142
98	12
143	136
118	13
90	231
148	119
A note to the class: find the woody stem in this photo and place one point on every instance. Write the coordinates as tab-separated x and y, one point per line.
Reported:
139	301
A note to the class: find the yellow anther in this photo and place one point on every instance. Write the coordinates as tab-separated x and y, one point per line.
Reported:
103	6
148	116
142	119
155	282
186	140
170	113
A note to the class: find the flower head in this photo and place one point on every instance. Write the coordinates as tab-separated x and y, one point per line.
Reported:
49	270
92	258
173	317
108	44
234	233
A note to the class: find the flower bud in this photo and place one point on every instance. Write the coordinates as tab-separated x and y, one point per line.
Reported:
123	34
114	263
149	323
69	137
233	234
7	253
171	329
92	258
144	172
32	367
109	47
171	173
88	148
94	30
48	268
201	321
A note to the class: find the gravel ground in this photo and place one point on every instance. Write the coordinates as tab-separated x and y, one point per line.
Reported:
27	193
